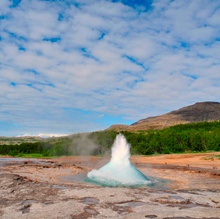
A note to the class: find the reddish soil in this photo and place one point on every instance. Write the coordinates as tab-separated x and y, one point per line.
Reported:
187	186
184	170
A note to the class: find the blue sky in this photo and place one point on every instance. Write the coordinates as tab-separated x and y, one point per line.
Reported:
71	66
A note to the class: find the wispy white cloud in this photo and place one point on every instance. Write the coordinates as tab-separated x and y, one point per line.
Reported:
72	66
43	135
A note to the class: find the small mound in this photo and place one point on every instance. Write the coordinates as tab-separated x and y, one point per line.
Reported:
118	176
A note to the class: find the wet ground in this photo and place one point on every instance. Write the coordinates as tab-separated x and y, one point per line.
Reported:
186	186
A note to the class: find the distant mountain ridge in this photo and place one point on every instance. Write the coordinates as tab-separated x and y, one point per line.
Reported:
198	112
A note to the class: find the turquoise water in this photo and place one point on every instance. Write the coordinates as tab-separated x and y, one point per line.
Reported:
156	183
119	171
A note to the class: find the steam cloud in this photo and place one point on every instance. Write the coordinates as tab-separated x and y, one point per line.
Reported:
119	171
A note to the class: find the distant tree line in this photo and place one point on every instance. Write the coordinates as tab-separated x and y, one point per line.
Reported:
23	148
96	143
193	137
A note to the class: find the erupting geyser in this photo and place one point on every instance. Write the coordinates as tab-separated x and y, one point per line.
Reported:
119	171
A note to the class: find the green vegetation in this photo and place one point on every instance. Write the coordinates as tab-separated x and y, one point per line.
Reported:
24	148
18	140
212	157
31	155
194	137
96	143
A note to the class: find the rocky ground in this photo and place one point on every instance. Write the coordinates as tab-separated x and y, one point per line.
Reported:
186	186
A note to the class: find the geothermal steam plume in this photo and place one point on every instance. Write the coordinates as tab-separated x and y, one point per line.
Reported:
119	171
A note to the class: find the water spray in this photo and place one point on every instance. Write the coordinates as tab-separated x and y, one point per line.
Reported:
119	171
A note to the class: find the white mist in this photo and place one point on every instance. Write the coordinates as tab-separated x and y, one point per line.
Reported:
119	171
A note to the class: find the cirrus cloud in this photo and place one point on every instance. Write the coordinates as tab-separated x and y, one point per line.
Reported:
73	66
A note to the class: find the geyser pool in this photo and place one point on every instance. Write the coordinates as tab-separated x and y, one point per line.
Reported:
119	171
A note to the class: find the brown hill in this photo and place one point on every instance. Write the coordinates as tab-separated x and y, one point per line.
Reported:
198	112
